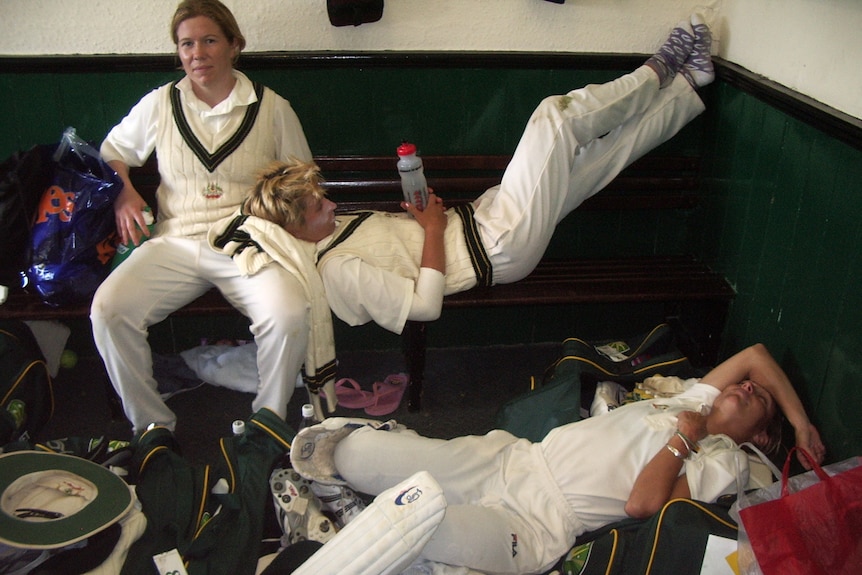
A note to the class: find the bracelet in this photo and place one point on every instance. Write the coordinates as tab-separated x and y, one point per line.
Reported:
676	452
692	446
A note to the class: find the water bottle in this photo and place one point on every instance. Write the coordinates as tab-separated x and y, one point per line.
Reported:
308	418
125	250
238	427
413	181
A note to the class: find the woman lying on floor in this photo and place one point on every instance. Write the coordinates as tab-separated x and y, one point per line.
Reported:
514	507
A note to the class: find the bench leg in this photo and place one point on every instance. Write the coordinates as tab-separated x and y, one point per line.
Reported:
414	341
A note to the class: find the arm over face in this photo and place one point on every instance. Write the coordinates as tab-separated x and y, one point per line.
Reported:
757	365
751	383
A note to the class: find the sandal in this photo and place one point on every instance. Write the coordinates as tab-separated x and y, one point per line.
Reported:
351	396
388	394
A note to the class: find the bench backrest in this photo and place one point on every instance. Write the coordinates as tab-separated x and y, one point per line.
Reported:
372	182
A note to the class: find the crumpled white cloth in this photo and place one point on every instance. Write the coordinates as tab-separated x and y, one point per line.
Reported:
230	366
134	523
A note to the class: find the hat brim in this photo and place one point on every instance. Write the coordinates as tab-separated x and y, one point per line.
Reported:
113	501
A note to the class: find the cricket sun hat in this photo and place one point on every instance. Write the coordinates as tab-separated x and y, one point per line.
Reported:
50	500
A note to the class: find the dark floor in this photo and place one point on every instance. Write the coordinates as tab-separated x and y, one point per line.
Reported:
464	389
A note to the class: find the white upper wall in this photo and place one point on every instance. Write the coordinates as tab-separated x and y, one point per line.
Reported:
811	46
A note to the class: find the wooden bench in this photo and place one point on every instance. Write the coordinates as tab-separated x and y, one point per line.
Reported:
360	182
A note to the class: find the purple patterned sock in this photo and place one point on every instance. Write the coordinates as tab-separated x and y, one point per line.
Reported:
698	68
673	53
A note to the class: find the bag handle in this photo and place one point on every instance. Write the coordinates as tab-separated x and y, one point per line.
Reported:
71	142
740	488
785	491
776	473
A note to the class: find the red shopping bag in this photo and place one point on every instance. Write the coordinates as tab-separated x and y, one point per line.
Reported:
813	526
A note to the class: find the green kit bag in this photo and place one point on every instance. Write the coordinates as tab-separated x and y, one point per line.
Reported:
571	380
673	540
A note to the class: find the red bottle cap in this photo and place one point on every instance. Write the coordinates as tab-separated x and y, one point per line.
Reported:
406	148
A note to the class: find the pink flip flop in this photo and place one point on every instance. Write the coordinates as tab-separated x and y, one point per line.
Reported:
351	396
388	394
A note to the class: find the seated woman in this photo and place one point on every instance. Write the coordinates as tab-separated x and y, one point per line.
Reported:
390	268
512	506
211	130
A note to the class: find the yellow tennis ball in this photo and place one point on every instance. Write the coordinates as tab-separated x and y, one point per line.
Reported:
68	359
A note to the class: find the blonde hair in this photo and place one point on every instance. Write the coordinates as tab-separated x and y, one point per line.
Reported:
215	11
283	191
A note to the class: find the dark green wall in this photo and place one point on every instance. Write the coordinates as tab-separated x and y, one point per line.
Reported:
343	111
782	222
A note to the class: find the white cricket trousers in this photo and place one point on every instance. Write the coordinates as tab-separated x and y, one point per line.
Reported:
165	273
572	147
504	515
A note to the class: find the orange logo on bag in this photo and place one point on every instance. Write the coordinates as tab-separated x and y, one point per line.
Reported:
56	202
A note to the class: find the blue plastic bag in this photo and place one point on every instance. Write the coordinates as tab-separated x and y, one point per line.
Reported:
74	235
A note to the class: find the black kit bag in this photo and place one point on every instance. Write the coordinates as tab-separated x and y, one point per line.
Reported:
23	177
673	540
571	381
26	388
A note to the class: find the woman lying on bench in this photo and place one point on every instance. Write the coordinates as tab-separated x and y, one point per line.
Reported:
392	268
512	506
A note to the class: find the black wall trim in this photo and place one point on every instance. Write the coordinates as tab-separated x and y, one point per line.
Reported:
323	60
829	120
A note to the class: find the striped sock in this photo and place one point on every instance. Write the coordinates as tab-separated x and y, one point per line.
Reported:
698	68
673	53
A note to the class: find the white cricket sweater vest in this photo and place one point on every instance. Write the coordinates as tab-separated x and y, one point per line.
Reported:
191	197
